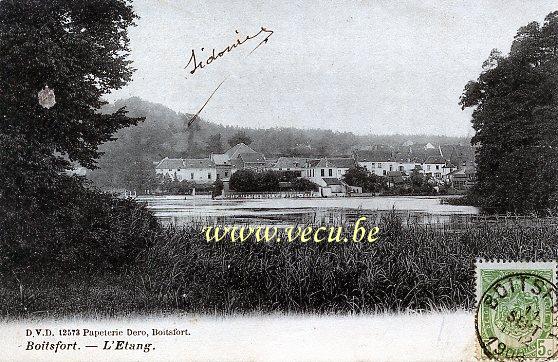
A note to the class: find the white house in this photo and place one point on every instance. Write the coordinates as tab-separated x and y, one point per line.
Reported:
201	170
317	170
297	165
434	166
380	162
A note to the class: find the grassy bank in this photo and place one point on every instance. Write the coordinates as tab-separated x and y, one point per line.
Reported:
415	267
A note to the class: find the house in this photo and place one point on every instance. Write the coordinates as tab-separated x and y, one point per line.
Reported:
381	162
333	187
326	167
423	158
235	158
296	165
464	178
434	166
252	161
237	150
201	170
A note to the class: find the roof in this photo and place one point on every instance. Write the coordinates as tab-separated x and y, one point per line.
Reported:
252	157
373	155
336	162
330	181
236	163
313	162
435	160
169	163
198	163
176	163
291	162
220	159
237	150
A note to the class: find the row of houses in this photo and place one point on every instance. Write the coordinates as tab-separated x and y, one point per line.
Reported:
392	163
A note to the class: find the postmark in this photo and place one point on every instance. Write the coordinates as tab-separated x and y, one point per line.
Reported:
517	311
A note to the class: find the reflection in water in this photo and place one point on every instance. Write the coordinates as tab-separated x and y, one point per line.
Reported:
203	210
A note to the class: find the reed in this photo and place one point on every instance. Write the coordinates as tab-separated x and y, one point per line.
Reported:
410	267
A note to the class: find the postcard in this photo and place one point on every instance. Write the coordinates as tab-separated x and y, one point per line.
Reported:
278	181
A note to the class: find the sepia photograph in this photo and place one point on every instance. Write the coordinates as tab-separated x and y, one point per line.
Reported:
278	181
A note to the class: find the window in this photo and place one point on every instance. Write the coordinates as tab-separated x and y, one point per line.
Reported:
401	168
384	172
209	175
322	173
373	165
427	167
391	167
330	172
379	165
226	173
191	176
437	167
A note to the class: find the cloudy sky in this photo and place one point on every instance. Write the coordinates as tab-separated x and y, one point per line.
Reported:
378	67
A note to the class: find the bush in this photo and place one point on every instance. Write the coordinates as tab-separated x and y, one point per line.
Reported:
67	226
250	181
302	184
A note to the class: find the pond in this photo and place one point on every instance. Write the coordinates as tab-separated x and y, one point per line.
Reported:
185	210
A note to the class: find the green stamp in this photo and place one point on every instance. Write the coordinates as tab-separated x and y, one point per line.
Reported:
517	309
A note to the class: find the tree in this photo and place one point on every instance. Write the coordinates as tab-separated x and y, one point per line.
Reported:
217	189
243	181
302	184
78	49
361	177
267	181
239	137
420	183
516	123
215	144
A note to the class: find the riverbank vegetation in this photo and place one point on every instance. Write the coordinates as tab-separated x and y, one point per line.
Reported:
409	267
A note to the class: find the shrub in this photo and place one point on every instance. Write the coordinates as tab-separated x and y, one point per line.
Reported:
67	226
302	184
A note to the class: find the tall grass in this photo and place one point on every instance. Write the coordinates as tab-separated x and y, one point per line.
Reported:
410	267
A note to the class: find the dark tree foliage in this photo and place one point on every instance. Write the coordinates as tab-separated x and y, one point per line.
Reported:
267	181
361	177
516	123
215	144
250	181
77	48
243	181
239	137
302	184
51	220
217	189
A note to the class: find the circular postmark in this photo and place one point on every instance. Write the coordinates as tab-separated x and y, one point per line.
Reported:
516	318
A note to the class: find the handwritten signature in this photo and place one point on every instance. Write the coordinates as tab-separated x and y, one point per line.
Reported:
214	56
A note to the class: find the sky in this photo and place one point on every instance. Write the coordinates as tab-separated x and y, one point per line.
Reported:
368	67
